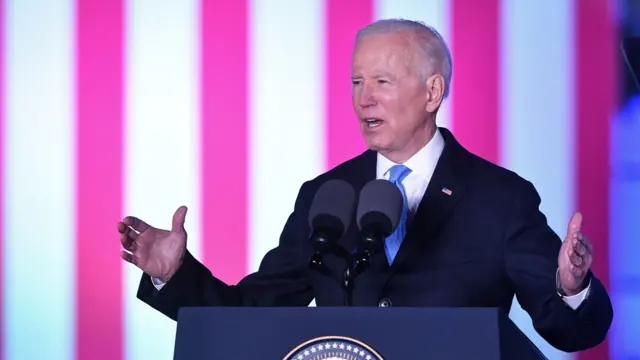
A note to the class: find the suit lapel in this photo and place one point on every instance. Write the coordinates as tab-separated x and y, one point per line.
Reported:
446	188
364	170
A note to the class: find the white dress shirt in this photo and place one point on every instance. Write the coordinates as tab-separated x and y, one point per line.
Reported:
422	166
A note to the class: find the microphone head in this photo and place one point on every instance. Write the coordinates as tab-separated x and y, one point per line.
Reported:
379	207
332	208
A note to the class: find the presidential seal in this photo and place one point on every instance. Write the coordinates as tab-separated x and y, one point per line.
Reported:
333	348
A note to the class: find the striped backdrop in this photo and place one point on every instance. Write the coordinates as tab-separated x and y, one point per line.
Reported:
118	107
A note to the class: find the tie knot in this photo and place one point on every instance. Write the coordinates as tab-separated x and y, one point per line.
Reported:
398	173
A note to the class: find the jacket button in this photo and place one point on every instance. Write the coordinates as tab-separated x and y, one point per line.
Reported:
385	302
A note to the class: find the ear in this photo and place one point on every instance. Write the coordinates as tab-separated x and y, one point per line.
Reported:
435	92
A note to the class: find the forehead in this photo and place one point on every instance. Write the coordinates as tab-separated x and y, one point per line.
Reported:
386	52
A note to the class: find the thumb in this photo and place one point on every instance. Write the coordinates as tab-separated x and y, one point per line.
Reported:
177	225
575	224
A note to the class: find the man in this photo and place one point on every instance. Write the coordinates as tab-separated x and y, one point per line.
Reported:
475	238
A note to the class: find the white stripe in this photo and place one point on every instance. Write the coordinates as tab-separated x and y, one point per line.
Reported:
286	113
434	13
537	100
162	147
39	255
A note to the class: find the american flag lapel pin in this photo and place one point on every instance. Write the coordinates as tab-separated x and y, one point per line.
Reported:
447	191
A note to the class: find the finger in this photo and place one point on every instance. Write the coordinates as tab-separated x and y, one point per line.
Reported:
177	224
135	223
577	271
127	242
587	260
127	236
582	245
122	228
131	233
128	257
576	259
578	247
587	243
575	224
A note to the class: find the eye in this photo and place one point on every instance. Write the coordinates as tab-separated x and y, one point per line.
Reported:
356	81
382	81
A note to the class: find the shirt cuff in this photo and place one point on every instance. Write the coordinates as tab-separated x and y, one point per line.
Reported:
574	301
157	283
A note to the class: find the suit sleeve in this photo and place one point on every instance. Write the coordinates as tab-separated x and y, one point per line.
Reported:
281	280
531	253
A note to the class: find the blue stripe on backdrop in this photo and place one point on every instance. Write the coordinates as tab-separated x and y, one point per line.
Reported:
537	113
625	233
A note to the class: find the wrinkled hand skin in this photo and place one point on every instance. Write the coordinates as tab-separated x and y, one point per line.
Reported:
575	258
157	252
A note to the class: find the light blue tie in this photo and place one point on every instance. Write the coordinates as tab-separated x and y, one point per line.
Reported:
392	244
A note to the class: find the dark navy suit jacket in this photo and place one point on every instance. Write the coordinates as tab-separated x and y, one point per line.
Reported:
477	247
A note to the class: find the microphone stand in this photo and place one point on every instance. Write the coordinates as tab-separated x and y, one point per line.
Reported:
316	263
347	286
357	264
371	242
324	243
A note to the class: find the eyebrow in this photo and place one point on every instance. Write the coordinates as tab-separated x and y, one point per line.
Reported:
377	76
385	74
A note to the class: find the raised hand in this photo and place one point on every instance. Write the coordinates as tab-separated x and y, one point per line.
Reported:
155	251
575	257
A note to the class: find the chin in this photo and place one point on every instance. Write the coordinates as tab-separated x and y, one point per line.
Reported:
377	143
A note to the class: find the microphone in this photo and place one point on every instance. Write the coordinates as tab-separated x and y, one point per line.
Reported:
329	217
330	213
378	215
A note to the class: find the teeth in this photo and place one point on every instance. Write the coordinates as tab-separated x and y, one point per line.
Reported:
372	122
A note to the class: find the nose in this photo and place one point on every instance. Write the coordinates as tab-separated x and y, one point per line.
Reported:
366	98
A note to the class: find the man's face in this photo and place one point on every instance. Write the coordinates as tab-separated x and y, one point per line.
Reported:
389	98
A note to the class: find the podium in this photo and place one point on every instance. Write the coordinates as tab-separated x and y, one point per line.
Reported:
353	333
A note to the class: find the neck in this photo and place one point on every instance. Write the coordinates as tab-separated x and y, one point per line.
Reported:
421	140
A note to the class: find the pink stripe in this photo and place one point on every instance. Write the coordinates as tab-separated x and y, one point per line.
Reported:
224	89
100	74
343	19
476	50
595	105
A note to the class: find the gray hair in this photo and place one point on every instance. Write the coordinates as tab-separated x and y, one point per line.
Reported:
437	57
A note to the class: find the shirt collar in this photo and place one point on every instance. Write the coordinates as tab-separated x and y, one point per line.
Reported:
422	163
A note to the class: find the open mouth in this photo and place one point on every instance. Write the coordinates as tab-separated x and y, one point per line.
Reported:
373	122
